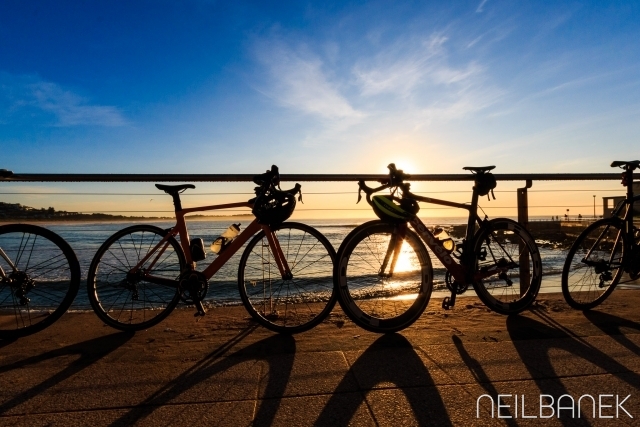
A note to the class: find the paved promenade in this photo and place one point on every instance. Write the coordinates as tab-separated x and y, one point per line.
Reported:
226	371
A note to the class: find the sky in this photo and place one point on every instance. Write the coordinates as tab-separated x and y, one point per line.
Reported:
315	87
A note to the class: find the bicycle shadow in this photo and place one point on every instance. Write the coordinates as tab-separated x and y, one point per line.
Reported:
612	326
402	367
278	351
6	342
89	352
536	356
481	377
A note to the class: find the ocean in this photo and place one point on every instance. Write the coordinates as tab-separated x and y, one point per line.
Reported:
86	238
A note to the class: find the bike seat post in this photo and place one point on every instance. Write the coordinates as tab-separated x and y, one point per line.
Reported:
629	214
176	201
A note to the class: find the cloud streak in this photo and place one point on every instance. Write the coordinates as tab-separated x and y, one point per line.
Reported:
297	79
28	95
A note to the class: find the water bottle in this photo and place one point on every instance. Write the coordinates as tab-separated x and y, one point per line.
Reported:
225	238
444	239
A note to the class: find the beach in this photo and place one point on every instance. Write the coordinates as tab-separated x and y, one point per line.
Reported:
226	370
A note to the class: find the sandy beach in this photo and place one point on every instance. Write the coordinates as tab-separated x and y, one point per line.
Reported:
226	370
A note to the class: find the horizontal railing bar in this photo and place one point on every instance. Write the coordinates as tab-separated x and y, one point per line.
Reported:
79	177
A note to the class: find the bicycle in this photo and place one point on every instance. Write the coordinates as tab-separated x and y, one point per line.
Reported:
384	272
39	278
139	274
604	251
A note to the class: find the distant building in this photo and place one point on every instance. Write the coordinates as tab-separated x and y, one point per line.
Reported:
609	203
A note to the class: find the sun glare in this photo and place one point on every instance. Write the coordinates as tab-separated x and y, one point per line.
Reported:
407	260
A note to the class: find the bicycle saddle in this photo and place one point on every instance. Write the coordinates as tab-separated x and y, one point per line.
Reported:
633	163
174	189
478	169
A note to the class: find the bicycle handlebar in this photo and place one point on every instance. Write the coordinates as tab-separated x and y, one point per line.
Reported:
396	179
269	182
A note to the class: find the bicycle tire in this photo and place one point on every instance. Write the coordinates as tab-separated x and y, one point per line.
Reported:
134	304
372	301
47	277
293	305
503	245
586	286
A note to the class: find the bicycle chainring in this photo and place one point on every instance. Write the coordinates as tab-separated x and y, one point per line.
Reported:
193	287
453	286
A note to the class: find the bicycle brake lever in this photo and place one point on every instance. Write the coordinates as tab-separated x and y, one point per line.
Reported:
359	195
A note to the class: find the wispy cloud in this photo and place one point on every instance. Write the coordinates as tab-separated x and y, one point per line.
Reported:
480	7
399	69
297	79
22	93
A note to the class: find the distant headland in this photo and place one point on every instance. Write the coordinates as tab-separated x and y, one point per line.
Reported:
17	212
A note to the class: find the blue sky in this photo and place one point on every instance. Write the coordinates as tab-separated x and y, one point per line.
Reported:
318	87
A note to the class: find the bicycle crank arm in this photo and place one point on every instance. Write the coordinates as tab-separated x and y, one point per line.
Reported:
201	310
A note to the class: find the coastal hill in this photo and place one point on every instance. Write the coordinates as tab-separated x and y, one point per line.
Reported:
18	212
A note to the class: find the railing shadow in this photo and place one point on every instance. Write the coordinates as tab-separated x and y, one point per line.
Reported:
406	370
536	357
89	352
278	351
612	326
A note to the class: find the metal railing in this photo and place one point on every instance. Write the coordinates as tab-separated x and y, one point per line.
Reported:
522	196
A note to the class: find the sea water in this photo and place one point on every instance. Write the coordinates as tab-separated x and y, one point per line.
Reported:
86	238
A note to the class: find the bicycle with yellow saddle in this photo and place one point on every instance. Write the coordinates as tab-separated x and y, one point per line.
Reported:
384	271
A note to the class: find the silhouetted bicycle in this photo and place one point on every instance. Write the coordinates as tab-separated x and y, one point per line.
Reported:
39	278
384	272
604	251
285	278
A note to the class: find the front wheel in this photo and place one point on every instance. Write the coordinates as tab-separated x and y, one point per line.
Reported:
128	301
293	304
594	264
384	281
508	268
39	278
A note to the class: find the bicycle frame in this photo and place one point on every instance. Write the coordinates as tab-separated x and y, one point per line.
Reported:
628	202
181	229
459	271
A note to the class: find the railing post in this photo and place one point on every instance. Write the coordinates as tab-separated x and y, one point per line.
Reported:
523	219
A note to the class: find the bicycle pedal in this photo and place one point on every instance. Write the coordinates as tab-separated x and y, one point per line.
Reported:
201	310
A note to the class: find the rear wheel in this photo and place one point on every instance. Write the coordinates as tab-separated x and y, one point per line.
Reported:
41	279
378	293
508	269
288	305
594	264
128	301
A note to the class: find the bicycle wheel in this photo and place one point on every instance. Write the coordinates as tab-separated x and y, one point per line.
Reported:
43	283
383	299
508	269
126	301
288	305
594	264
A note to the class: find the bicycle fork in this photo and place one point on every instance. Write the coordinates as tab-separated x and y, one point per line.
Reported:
393	250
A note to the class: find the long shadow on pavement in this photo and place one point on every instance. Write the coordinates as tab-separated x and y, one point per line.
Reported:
89	352
481	377
278	351
534	342
390	359
612	326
